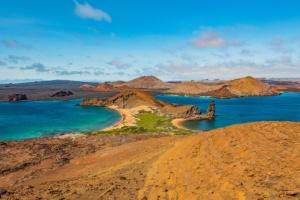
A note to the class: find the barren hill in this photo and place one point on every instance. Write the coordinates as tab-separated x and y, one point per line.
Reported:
192	88
128	99
147	82
247	86
248	161
141	99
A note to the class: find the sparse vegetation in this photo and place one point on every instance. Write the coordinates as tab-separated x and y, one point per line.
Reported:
148	122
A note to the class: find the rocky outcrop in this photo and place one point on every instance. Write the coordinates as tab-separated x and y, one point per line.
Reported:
209	115
211	110
62	94
17	97
92	102
184	112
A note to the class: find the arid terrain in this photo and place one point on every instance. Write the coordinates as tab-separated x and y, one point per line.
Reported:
248	161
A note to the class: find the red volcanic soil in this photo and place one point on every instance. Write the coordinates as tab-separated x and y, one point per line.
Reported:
248	161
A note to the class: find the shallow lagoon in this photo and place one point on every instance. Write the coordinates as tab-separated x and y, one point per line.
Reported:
284	107
23	120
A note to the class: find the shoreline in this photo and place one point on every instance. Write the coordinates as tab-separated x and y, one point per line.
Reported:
127	116
178	123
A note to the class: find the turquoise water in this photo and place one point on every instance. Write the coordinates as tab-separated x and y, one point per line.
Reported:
285	107
32	119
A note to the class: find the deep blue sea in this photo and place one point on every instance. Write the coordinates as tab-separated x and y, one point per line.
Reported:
23	120
285	107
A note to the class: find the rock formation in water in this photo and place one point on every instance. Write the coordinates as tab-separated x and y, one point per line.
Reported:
62	94
211	110
17	97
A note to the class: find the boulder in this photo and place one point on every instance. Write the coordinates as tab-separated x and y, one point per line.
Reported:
62	94
17	97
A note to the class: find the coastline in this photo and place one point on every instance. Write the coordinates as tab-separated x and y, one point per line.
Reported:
127	116
178	123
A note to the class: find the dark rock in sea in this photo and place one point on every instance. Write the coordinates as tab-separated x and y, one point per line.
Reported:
62	94
17	97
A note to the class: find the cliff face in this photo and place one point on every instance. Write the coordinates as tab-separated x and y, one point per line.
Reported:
185	112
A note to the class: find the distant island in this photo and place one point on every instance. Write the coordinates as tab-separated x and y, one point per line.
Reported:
242	87
246	86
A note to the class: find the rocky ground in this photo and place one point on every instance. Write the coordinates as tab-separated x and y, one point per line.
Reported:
94	167
250	161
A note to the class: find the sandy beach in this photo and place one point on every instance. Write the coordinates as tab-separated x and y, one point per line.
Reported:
178	123
127	116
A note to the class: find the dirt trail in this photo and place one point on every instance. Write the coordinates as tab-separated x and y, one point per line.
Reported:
252	161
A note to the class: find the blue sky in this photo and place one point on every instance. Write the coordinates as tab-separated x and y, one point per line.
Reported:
100	40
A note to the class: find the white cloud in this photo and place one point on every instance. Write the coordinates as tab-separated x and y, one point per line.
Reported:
210	39
283	67
86	11
118	64
13	44
279	45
